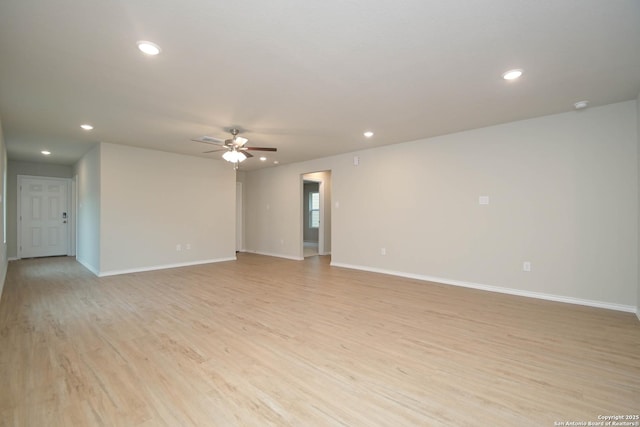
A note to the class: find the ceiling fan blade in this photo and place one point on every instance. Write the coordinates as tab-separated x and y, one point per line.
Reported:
214	151
259	148
209	140
247	154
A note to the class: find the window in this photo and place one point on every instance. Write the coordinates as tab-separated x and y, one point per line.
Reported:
314	210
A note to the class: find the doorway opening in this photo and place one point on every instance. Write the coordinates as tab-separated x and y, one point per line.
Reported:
44	217
316	214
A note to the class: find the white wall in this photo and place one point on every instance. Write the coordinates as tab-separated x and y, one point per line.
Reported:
3	198
327	203
241	178
563	195
152	201
273	211
638	134
15	168
87	171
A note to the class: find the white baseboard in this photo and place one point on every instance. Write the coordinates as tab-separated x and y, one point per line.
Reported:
3	276
88	266
510	291
161	267
295	258
13	258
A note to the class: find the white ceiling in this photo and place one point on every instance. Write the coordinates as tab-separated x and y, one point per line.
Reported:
307	77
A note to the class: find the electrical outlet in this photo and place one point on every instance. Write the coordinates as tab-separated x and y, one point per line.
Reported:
526	266
178	247
383	251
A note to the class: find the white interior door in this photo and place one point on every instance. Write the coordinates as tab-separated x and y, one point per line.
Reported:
43	218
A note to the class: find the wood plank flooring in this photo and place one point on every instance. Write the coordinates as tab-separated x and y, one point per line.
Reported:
271	342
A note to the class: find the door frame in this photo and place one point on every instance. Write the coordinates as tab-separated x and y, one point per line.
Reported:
69	208
309	177
305	210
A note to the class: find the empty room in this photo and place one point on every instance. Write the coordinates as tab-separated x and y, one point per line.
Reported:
305	213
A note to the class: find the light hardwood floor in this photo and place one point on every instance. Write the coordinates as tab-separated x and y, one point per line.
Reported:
272	342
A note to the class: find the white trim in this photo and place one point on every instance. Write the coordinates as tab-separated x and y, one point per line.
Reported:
510	291
163	267
13	258
322	183
295	258
321	218
4	267
73	211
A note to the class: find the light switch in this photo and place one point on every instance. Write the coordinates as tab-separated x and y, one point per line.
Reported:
483	200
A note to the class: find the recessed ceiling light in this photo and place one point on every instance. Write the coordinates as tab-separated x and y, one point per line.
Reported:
368	134
263	158
86	127
275	162
148	48
45	152
581	104
512	74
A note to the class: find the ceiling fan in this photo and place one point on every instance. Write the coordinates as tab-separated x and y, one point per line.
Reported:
235	149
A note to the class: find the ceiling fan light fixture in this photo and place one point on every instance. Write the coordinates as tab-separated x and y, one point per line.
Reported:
234	156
